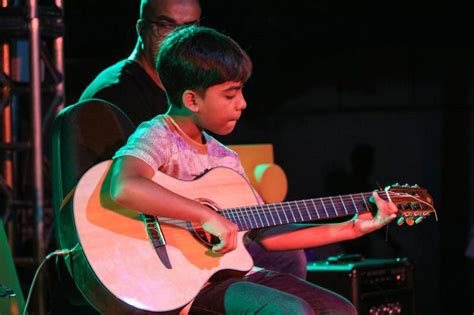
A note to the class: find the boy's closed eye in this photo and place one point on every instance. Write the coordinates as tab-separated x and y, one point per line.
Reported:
232	93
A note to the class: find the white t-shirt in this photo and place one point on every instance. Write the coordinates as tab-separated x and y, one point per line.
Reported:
161	144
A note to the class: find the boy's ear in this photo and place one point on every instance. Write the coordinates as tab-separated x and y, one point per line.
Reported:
189	100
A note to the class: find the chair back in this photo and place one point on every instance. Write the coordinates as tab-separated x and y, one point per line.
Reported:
84	134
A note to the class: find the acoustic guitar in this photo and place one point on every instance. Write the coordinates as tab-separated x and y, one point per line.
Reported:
130	263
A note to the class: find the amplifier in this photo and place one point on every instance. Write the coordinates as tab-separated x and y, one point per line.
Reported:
374	286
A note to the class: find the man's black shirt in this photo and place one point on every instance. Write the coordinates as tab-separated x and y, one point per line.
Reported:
127	85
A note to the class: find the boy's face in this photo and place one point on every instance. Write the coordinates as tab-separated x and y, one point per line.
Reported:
220	107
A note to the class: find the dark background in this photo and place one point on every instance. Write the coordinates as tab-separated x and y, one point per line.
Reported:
388	85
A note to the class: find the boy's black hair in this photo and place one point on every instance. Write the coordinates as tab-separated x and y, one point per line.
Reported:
196	58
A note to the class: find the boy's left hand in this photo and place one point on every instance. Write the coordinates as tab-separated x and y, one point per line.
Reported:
366	223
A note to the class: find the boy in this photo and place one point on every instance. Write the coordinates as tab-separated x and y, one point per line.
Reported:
203	73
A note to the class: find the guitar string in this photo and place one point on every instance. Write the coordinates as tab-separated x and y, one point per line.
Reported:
336	202
279	207
288	205
266	210
283	207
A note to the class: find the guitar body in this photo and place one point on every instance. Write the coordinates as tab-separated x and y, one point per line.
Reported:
120	270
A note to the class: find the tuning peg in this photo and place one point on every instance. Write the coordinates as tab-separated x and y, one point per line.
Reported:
410	221
401	220
406	185
396	185
415	186
419	219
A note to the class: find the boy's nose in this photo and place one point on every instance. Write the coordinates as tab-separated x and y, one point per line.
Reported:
242	104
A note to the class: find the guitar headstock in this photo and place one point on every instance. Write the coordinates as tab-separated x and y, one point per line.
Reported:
413	202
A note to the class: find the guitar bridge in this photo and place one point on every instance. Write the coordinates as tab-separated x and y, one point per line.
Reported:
157	239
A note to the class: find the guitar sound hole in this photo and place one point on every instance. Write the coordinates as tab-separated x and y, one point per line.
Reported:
204	236
198	231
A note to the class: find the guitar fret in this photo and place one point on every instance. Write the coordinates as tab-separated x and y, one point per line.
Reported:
265	214
250	219
353	202
316	208
255	220
324	207
307	210
274	206
334	206
224	214
345	209
365	203
238	214
234	211
247	223
258	215
284	213
292	214
301	215
235	218
389	198
271	214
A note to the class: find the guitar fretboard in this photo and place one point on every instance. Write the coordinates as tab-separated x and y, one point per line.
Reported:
259	216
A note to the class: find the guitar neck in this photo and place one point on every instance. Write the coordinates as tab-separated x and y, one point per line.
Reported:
260	216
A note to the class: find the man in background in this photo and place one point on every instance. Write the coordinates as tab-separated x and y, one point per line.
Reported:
133	84
135	87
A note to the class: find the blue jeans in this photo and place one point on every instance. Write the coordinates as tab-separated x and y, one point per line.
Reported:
269	292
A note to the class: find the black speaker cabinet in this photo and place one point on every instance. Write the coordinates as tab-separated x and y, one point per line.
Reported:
374	286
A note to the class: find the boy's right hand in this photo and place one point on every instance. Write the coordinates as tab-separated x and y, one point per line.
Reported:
224	229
